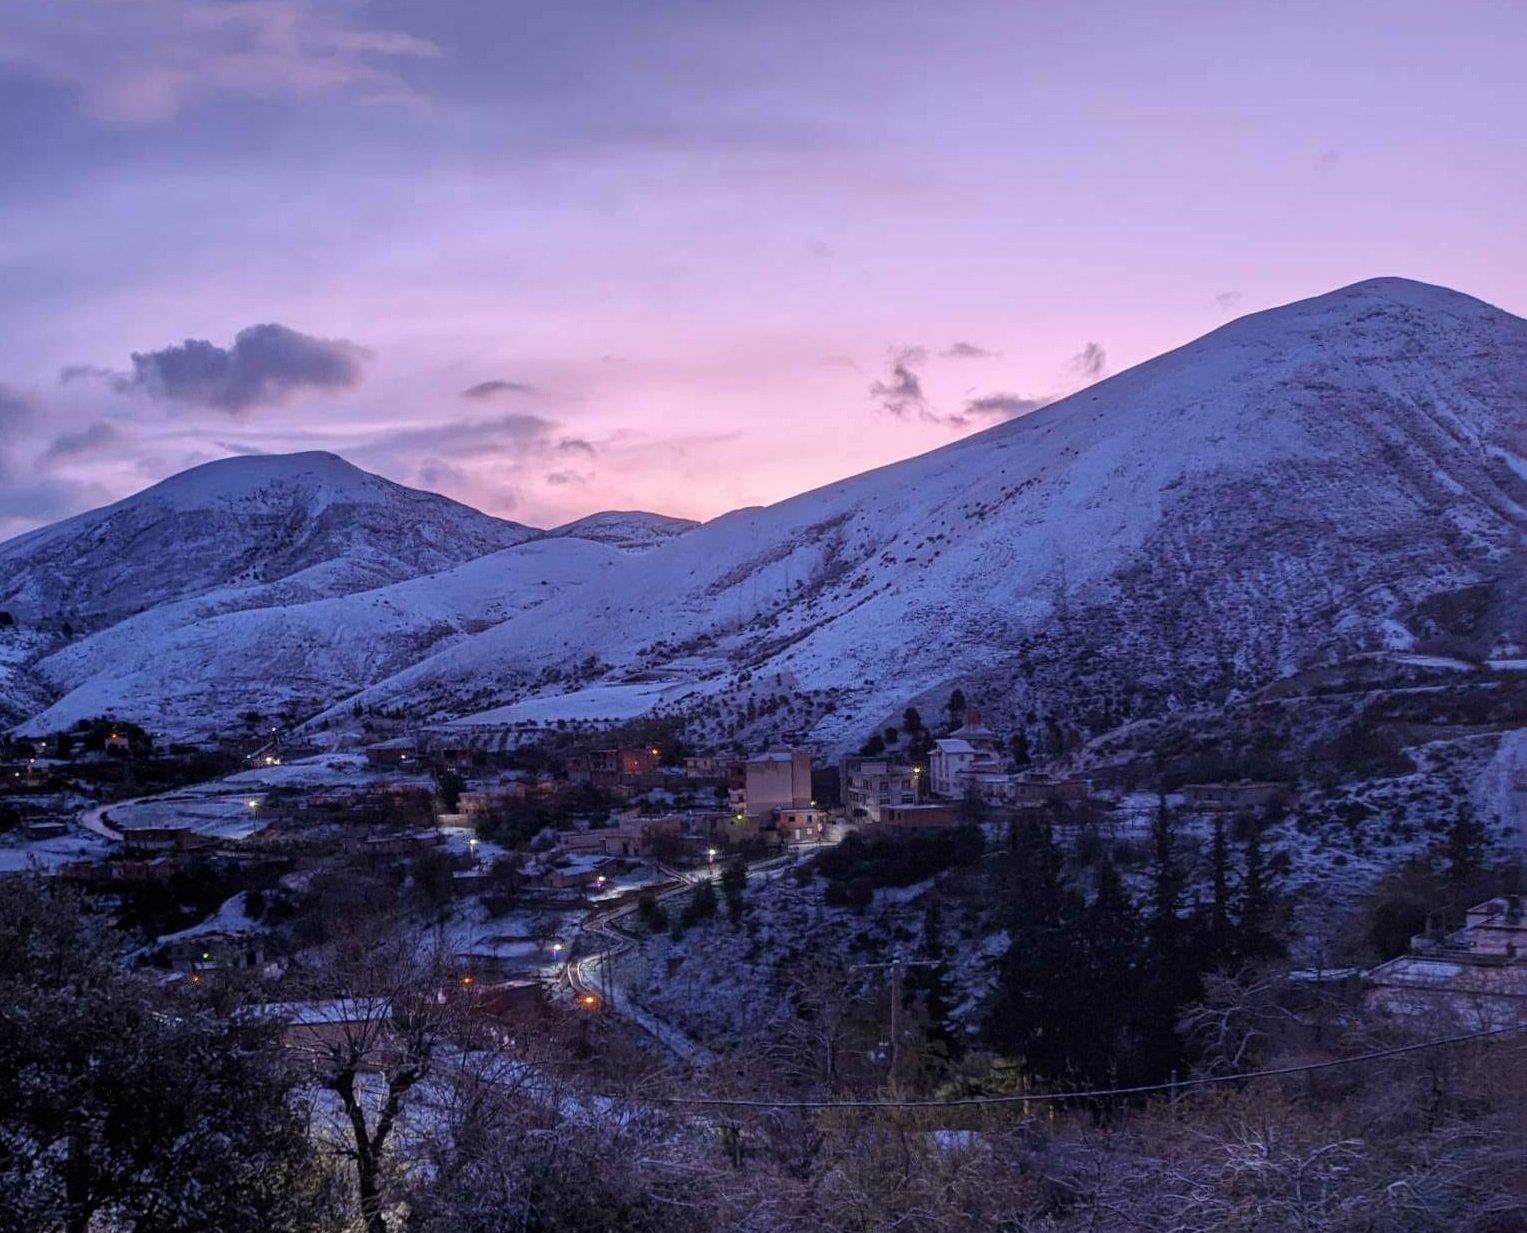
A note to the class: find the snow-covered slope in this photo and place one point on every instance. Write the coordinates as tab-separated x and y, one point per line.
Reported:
1337	475
1299	484
187	672
307	525
634	530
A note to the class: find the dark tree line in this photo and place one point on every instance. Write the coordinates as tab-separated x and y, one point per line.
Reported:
1090	990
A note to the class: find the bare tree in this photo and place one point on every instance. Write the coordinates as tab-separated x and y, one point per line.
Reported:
383	1013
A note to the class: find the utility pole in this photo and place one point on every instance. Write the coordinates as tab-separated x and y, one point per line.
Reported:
896	966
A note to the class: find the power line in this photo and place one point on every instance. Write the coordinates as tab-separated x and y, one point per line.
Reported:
1093	1094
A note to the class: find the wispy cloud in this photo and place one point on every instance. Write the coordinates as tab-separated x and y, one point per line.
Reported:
1090	363
1003	406
143	61
900	393
492	389
967	351
91	441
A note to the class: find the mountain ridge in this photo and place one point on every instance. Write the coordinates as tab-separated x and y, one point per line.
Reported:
1299	482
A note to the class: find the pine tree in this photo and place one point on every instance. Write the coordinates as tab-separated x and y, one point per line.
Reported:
1219	879
956	706
1166	881
1259	904
1464	847
1039	1006
1108	983
1173	965
933	983
1019	743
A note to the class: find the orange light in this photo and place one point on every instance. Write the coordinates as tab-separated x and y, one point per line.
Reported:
590	1000
466	980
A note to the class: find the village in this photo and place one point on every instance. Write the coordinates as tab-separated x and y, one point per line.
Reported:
533	867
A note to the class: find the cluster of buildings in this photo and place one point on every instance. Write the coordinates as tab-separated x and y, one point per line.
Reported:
968	764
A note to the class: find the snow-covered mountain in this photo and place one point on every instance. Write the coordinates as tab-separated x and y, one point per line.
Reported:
634	530
1337	475
311	525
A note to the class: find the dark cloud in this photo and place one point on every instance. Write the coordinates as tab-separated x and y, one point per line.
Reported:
92	440
562	479
1091	362
1228	299
1002	406
967	351
576	445
266	365
901	393
490	389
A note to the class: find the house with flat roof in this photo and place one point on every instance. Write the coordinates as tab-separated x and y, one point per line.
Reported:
1475	976
870	784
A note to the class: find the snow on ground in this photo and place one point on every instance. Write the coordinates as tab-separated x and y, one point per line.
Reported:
322	770
231	917
225	815
600	702
51	854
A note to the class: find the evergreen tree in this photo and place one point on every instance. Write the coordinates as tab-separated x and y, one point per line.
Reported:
734	882
1166	880
1019	744
933	983
1464	847
956	706
911	721
1219	880
1039	1005
1112	939
1256	928
701	905
1173	965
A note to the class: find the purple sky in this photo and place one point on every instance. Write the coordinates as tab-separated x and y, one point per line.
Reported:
690	254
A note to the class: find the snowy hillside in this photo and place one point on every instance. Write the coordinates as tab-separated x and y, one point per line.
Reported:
182	669
1338	475
1301	483
634	530
310	524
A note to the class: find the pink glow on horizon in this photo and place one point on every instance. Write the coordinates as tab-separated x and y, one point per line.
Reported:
691	241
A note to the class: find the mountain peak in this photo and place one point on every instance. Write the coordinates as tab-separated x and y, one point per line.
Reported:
244	476
1390	296
624	528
